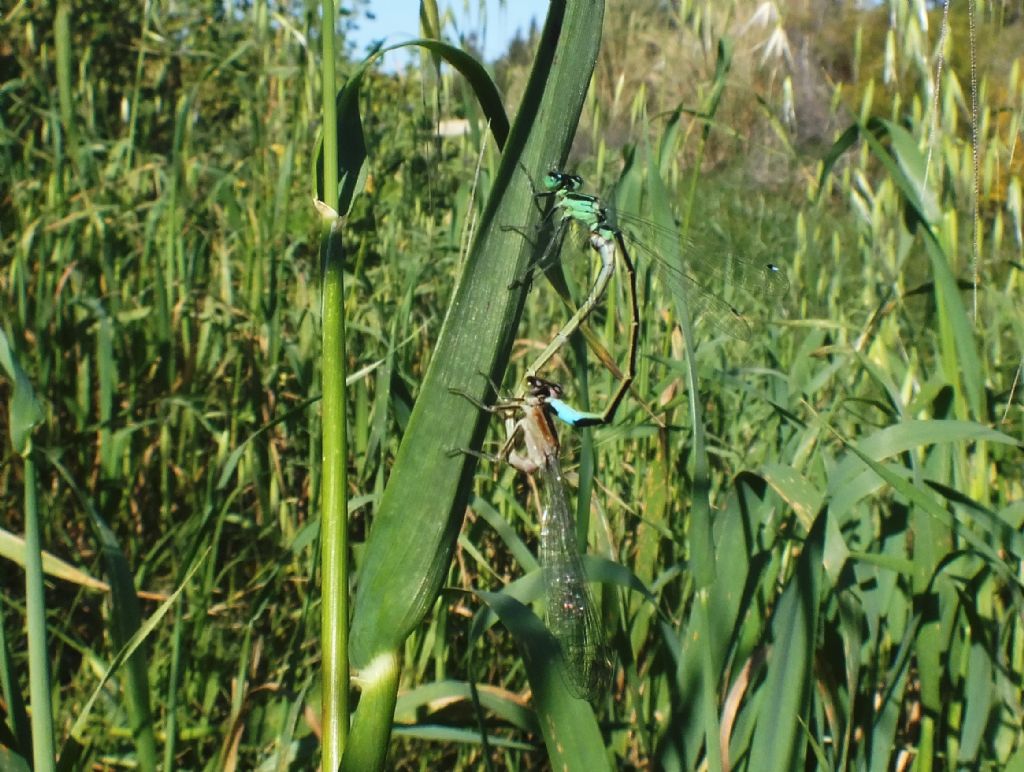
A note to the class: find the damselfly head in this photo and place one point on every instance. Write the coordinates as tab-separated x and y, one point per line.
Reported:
559	180
541	387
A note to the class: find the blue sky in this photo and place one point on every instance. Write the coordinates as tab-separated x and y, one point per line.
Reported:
398	20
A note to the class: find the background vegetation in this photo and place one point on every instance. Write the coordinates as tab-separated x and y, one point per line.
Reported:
160	291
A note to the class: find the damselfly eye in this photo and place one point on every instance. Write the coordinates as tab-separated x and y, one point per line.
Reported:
559	180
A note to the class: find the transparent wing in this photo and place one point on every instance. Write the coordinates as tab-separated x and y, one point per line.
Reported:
725	290
571	616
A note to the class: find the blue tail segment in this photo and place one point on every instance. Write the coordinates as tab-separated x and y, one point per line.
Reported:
567	414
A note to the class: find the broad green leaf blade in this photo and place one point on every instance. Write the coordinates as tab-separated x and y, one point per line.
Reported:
961	362
12	547
478	78
906	166
442	694
779	735
367	747
845	141
797	491
573	739
979	696
23	410
449	734
940	514
411	538
352	152
13	762
412	535
851	481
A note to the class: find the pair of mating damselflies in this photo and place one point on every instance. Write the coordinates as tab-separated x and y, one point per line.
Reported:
570	612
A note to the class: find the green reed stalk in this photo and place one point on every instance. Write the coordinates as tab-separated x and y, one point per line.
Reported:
43	750
333	499
23	413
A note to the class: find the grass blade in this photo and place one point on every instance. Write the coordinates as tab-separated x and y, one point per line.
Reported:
777	738
568	723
